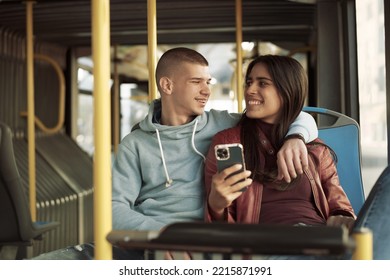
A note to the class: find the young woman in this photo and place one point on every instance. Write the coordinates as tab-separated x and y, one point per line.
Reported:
275	91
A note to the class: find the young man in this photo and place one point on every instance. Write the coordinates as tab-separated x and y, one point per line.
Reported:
158	170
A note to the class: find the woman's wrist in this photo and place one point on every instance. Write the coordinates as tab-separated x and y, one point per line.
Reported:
216	214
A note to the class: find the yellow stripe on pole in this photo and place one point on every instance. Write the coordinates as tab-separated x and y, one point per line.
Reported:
30	109
102	127
239	54
152	48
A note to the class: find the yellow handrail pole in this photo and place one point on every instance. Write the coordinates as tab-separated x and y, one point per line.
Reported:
239	54
102	127
116	102
152	48
61	99
30	109
364	244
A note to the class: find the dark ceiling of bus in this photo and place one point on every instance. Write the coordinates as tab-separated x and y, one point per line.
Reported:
287	23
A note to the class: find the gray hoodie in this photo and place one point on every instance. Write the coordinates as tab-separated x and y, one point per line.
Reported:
158	170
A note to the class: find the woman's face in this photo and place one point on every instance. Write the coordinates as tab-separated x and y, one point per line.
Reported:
261	96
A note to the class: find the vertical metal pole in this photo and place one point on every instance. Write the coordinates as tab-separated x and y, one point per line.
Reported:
152	48
239	54
102	127
30	109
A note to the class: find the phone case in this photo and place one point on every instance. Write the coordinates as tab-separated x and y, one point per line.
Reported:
228	155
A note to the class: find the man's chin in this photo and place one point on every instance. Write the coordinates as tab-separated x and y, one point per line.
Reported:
199	110
197	113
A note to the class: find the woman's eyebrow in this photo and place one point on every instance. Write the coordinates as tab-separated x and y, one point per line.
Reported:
263	78
259	79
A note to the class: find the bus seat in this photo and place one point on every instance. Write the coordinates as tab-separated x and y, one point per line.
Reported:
343	136
17	228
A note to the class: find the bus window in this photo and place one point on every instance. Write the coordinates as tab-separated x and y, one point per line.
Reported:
372	89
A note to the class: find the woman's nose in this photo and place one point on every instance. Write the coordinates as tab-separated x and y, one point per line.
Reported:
250	89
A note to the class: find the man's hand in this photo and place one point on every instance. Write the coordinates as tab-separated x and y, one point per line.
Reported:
292	159
340	220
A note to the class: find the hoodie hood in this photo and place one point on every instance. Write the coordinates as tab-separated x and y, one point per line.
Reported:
170	132
150	124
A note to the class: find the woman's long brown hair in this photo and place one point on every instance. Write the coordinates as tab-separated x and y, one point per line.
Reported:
290	80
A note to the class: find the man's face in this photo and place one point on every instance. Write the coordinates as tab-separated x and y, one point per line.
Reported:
191	89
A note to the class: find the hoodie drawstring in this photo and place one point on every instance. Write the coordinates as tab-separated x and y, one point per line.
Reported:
193	141
169	181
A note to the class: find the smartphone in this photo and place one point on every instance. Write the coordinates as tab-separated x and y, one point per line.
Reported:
228	155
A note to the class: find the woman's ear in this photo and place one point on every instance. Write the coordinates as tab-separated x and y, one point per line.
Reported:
166	85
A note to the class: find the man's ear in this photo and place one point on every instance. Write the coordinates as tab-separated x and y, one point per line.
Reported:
166	85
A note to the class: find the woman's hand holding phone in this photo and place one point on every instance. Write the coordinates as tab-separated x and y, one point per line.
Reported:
226	187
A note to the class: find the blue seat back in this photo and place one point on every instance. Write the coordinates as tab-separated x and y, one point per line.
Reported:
343	136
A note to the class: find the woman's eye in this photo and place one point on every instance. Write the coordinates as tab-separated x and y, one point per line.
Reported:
263	84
